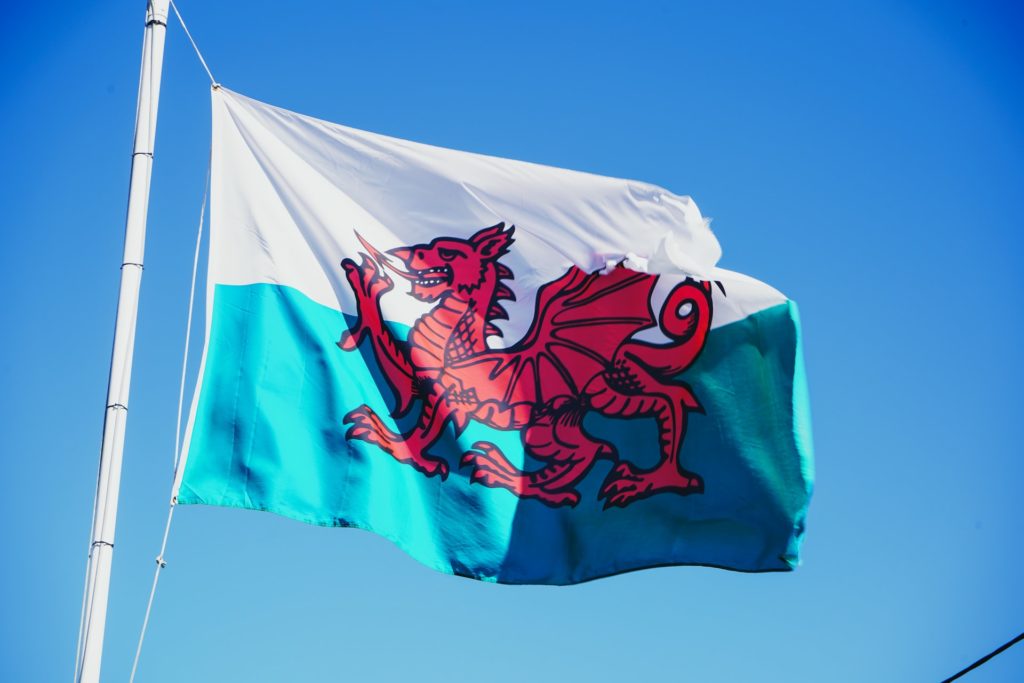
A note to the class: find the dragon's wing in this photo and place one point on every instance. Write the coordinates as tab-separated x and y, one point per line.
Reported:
580	321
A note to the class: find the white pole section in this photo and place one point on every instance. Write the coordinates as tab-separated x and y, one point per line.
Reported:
101	547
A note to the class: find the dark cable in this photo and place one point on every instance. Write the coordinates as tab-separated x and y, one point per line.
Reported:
984	659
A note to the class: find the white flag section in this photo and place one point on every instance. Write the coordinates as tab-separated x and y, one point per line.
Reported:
303	178
290	192
407	339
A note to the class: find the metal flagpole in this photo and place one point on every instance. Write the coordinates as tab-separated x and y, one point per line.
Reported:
101	547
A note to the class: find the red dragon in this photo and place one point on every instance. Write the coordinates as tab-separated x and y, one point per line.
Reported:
579	355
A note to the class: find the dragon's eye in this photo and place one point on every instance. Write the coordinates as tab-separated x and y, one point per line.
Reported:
448	254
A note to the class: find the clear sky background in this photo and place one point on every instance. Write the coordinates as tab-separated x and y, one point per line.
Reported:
865	158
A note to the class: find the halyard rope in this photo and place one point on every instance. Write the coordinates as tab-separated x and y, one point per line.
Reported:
160	562
188	324
213	81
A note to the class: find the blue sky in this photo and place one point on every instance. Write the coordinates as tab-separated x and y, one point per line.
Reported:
867	159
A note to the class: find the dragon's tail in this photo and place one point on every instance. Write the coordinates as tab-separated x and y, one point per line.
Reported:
685	319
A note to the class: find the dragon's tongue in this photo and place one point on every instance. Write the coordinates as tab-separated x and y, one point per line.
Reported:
383	259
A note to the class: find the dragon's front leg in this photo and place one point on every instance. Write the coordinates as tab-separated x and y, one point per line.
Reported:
412	446
369	282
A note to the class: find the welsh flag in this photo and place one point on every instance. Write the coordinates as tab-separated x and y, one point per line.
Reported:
516	373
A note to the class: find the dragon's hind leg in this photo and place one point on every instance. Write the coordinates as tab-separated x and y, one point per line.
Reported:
629	390
558	439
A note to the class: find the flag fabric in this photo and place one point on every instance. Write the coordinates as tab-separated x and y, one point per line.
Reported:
516	373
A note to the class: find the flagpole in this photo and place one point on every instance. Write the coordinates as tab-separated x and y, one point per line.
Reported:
101	546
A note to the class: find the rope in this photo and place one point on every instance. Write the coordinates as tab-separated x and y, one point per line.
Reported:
213	81
188	325
81	618
160	562
990	655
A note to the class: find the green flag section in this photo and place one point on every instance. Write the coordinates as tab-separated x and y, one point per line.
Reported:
269	433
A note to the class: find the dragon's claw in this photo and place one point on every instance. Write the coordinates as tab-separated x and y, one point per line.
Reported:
349	340
619	494
488	456
492	469
570	498
367	279
484	476
431	466
367	426
362	416
357	433
625	483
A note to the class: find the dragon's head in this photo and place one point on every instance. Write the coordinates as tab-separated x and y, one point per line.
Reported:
449	266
